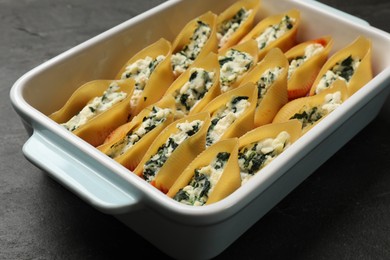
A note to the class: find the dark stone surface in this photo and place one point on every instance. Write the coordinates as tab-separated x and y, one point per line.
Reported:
342	211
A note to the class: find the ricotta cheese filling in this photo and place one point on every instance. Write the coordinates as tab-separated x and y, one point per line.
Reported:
203	182
228	27
309	115
253	157
140	71
224	117
310	51
193	90
343	70
183	59
98	105
156	117
154	164
233	65
266	79
274	32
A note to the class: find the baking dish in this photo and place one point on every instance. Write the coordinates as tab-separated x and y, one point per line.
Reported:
111	189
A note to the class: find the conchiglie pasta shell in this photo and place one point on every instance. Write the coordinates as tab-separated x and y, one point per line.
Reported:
276	96
184	36
359	48
292	127
161	77
157	48
209	64
245	26
181	156
303	77
84	94
294	106
245	122
131	158
249	47
285	42
99	127
230	179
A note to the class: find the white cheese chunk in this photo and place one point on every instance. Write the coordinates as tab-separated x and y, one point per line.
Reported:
332	101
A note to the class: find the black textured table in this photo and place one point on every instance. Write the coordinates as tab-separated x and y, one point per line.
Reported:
342	211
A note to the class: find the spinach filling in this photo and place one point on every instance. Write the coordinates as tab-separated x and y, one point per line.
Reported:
235	102
156	117
237	19
153	165
253	160
345	69
194	90
182	59
198	189
273	32
200	182
233	64
141	70
234	55
229	26
308	116
201	33
265	81
233	107
225	59
254	156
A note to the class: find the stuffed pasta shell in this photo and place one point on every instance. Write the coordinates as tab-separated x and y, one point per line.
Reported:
305	62
173	149
311	110
196	87
210	177
231	113
196	40
235	63
275	31
96	108
235	22
263	144
129	142
149	68
351	64
270	77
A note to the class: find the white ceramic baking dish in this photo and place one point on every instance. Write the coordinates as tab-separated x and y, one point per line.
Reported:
174	228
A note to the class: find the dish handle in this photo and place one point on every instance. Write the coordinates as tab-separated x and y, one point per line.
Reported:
77	173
